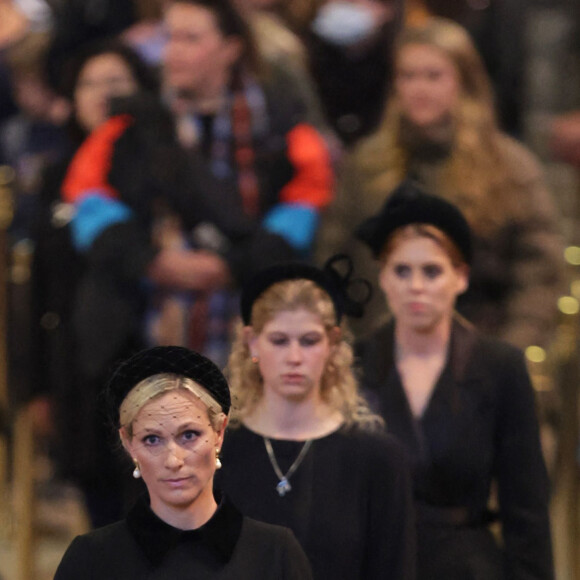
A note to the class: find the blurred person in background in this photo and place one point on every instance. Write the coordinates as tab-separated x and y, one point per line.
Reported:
350	50
33	138
94	77
439	128
461	403
18	18
277	44
14	25
498	30
349	55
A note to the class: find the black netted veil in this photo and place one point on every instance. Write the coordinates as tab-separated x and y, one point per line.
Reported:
166	359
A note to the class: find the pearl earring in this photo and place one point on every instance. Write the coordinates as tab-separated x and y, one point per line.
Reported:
136	471
218	463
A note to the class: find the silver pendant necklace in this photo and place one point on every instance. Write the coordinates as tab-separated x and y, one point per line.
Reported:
283	486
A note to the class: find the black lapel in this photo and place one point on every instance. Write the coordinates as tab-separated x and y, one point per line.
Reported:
394	404
457	371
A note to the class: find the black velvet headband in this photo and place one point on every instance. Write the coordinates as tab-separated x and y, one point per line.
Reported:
166	359
335	279
409	204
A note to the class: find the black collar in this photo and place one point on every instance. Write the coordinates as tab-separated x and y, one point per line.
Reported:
157	538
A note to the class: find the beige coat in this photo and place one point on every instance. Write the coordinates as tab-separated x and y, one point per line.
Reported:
517	273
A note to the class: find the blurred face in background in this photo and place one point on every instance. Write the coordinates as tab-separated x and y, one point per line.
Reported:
421	282
102	77
198	57
427	84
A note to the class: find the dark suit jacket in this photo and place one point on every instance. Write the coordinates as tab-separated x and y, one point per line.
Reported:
227	547
479	427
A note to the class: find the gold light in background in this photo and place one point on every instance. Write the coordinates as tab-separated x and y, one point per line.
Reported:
568	305
535	354
572	255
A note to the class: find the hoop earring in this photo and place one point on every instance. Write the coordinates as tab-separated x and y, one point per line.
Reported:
218	463
137	470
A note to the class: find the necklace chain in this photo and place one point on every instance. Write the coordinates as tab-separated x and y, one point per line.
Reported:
283	486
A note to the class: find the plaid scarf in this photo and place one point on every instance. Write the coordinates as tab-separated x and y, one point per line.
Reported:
243	121
197	320
229	141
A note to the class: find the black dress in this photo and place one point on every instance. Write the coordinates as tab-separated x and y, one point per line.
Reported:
350	505
479	427
227	547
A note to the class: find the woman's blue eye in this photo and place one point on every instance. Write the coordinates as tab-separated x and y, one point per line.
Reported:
189	436
151	440
278	340
401	270
432	271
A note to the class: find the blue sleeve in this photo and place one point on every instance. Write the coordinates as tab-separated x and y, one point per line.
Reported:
95	213
296	223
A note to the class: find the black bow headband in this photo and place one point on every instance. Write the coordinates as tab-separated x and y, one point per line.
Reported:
348	294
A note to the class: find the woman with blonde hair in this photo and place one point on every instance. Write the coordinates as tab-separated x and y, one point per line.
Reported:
170	406
440	128
303	449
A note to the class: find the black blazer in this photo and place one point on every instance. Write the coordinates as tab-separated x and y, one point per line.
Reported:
479	427
228	547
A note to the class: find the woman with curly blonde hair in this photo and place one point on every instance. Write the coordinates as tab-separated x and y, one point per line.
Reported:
319	460
338	387
439	128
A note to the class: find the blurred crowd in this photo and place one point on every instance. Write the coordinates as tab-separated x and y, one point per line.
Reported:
165	150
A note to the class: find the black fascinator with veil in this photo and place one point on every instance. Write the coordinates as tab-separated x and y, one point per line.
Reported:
176	360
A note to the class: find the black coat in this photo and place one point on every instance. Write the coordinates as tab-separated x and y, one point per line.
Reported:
353	83
350	505
479	427
228	547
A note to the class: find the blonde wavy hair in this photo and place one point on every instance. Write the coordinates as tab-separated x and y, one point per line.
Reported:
339	386
475	176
